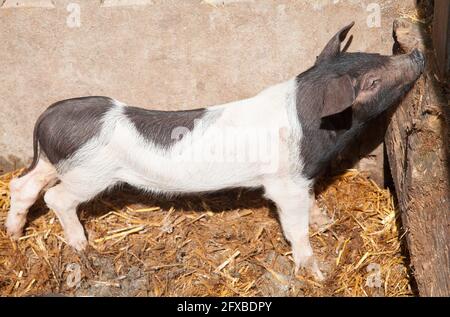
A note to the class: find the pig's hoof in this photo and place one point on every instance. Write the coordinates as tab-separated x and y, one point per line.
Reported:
14	229
310	264
78	243
14	233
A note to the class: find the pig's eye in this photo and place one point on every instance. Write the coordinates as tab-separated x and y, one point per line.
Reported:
373	83
370	83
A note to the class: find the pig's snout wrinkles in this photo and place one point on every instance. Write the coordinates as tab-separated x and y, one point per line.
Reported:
418	59
410	66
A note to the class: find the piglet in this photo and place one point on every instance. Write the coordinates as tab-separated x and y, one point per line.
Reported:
282	140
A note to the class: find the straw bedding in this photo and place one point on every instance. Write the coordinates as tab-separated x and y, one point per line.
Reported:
221	244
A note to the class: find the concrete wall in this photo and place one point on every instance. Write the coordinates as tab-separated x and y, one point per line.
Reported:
167	54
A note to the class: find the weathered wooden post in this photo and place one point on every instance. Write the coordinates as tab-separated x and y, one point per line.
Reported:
417	143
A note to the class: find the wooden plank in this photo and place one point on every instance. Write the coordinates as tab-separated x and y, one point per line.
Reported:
417	143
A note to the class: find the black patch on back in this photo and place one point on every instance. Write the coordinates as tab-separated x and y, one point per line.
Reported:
158	126
67	125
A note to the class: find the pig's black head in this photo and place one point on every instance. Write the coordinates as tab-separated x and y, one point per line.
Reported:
366	83
343	91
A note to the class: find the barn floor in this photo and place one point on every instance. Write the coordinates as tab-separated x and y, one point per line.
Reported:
222	244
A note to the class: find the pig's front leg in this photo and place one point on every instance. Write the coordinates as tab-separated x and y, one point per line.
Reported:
294	202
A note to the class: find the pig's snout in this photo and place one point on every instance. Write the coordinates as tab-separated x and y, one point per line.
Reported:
418	59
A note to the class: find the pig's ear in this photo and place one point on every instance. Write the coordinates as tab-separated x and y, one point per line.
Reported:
339	95
333	47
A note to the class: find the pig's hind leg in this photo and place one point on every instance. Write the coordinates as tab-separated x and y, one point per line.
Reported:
77	186
64	203
294	202
25	191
